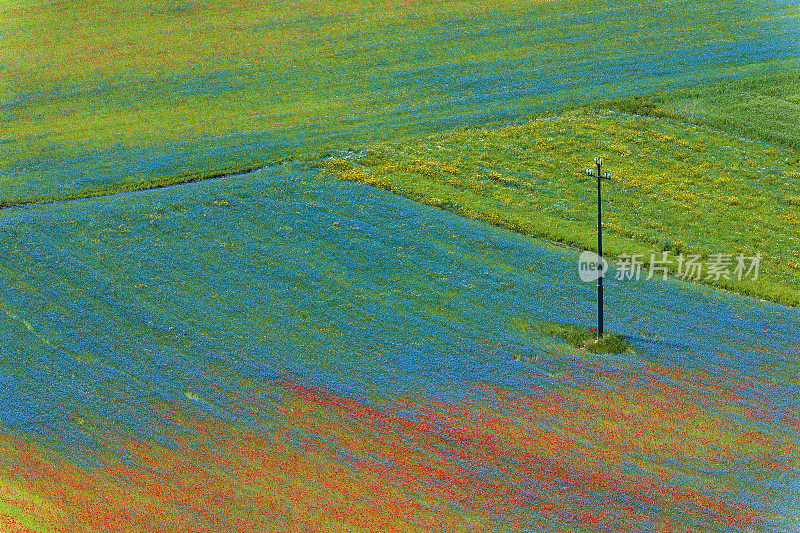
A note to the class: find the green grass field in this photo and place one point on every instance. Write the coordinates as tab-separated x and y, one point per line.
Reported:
676	187
762	106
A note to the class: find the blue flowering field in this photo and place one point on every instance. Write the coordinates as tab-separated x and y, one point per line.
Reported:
205	296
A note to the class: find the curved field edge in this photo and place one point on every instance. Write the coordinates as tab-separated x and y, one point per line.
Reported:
142	91
676	188
332	323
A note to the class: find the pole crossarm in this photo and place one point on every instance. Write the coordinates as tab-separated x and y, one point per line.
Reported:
599	172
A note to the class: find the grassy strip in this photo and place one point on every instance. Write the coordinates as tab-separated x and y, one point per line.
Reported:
586	338
678	188
145	184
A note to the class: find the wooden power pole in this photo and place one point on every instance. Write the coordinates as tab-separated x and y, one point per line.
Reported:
600	176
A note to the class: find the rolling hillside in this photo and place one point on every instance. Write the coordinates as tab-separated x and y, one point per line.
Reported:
318	345
123	95
272	266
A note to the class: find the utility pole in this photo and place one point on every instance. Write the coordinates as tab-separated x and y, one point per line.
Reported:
600	176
